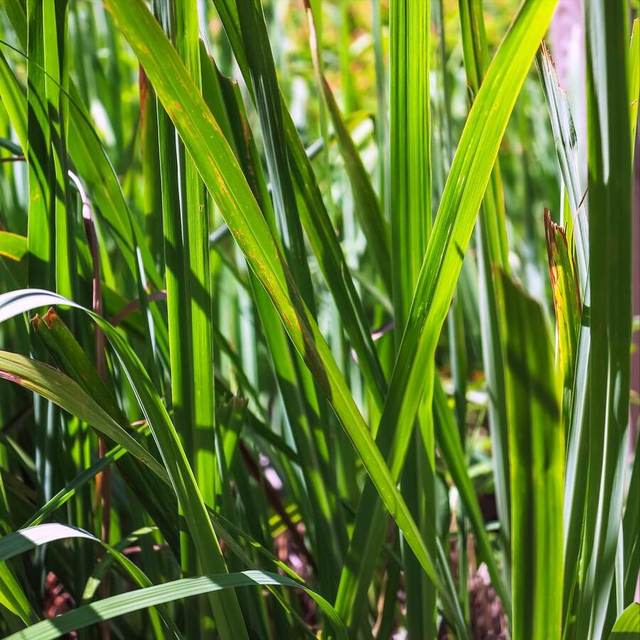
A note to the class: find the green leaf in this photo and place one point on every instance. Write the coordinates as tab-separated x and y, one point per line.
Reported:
631	531
566	140
13	597
633	80
627	626
41	234
493	250
536	449
411	221
12	246
61	390
575	402
139	599
14	101
610	237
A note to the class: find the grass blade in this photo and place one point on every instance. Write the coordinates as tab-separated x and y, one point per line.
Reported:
610	215
575	401
566	298
536	448
58	388
493	251
411	222
124	603
566	140
633	80
627	626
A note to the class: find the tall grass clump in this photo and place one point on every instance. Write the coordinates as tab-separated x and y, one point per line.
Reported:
316	320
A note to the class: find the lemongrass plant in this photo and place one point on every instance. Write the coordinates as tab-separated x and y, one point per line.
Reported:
231	236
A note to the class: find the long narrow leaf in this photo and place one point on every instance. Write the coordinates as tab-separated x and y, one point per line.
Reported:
536	448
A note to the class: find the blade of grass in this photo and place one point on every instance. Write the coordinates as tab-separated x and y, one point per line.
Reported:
13	597
136	600
566	298
575	404
610	215
536	448
411	223
195	230
12	246
493	251
14	102
382	125
179	304
41	234
566	140
56	69
627	626
194	286
150	155
631	530
633	81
